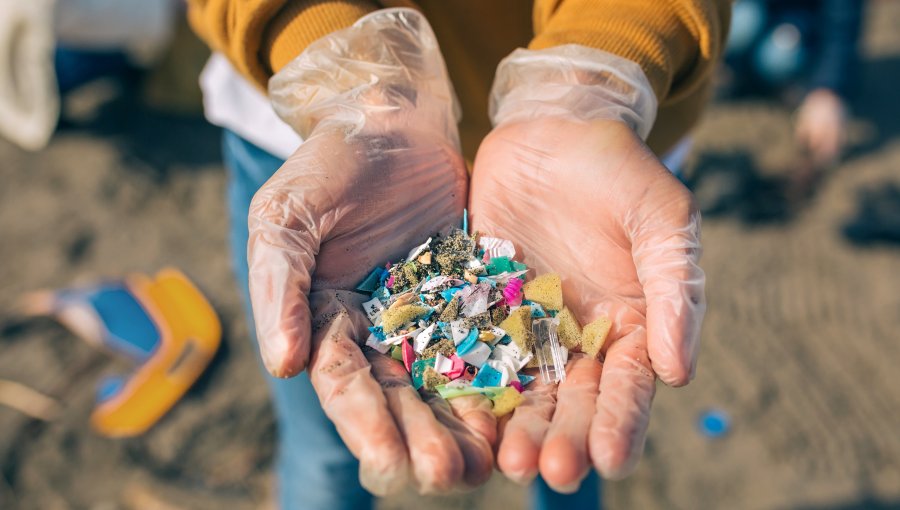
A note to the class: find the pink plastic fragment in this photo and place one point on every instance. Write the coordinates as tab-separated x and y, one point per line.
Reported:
517	385
409	355
512	291
459	366
389	283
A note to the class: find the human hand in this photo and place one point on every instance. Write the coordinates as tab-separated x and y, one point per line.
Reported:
821	126
378	171
585	198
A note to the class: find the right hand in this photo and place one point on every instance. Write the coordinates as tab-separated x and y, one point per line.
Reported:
379	171
821	126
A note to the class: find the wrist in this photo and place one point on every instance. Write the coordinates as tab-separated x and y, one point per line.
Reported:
384	72
572	81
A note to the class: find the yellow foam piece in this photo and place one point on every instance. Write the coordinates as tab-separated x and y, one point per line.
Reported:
518	327
545	290
569	330
594	336
506	400
394	317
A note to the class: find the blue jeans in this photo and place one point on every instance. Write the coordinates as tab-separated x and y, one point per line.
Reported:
315	469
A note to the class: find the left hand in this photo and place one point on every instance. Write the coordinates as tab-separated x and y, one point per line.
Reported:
589	201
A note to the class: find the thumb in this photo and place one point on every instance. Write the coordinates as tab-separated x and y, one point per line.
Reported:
666	251
283	243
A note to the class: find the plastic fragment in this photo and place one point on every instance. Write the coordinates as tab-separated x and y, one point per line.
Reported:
551	359
409	355
372	281
512	291
418	371
468	342
495	247
424	338
476	355
714	423
487	376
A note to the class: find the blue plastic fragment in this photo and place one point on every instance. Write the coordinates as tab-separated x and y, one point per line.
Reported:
465	222
378	331
382	293
525	379
449	293
487	376
468	342
714	423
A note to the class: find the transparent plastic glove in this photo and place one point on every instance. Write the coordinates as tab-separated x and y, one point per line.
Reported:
566	177
378	172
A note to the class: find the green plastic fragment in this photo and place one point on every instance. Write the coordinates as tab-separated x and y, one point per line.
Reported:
397	352
448	392
418	371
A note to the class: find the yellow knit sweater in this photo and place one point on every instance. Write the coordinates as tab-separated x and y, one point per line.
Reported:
676	42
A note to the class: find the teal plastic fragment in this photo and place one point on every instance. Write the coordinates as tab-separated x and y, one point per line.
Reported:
372	282
537	311
418	371
498	265
525	379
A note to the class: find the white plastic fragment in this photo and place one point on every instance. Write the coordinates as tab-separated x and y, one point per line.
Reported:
496	247
442	364
477	355
398	339
418	249
511	355
374	308
421	341
458	331
379	346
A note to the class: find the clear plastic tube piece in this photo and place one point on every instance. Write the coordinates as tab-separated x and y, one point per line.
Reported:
550	355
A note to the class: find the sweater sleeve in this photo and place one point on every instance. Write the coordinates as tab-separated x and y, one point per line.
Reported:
260	37
676	42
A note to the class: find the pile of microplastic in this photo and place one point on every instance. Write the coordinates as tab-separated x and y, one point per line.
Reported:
458	313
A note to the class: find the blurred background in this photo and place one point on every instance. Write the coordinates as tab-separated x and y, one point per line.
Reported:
796	167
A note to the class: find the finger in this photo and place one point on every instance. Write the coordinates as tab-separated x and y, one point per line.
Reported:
352	398
523	433
476	412
476	450
564	458
281	252
619	427
437	463
666	251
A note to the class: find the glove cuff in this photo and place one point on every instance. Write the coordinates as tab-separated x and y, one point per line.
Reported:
383	72
572	81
